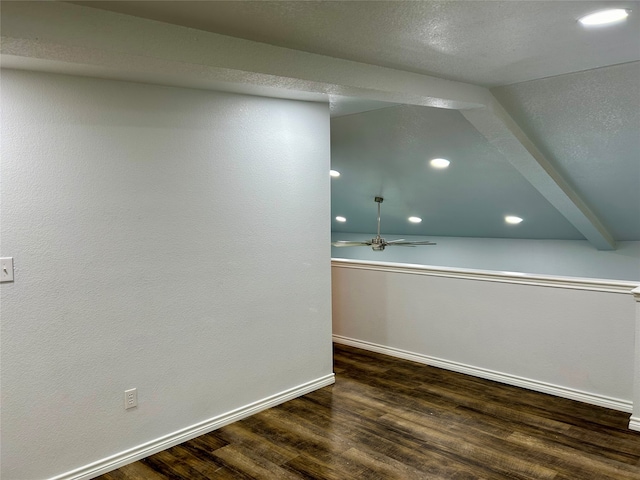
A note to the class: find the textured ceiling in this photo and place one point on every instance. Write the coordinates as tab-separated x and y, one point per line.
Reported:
588	124
481	42
573	92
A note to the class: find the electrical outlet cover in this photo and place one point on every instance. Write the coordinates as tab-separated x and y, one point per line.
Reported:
130	398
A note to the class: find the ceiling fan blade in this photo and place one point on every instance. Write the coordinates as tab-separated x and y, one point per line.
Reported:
411	244
395	241
343	243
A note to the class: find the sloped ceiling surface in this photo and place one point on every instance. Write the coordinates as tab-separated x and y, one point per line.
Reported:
588	124
387	152
574	92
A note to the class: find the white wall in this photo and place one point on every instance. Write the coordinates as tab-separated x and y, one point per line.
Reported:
164	239
566	337
575	258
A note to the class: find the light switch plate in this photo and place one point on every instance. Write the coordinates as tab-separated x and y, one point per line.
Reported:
6	269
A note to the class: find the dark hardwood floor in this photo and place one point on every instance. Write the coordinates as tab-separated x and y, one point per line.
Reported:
393	419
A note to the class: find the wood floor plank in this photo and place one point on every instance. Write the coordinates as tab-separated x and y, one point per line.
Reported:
134	471
243	459
476	449
384	467
565	460
240	433
177	463
392	419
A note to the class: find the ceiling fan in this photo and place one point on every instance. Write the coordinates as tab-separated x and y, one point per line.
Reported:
378	243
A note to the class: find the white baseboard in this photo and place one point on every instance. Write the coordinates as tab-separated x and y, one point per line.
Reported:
535	385
634	423
128	456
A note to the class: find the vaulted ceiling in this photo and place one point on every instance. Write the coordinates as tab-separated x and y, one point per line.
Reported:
556	142
586	123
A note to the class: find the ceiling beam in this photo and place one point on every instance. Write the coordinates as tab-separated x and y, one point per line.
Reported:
501	131
65	38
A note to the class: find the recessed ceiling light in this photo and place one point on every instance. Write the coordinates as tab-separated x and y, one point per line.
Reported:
512	219
415	219
440	163
341	219
334	173
604	17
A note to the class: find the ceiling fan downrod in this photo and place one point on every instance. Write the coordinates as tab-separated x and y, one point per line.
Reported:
378	243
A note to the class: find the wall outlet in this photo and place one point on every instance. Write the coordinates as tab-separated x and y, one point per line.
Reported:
130	398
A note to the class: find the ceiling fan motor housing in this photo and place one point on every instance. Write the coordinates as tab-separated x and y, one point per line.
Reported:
378	244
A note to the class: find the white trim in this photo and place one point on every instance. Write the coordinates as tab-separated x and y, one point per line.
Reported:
136	453
570	393
575	283
634	422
